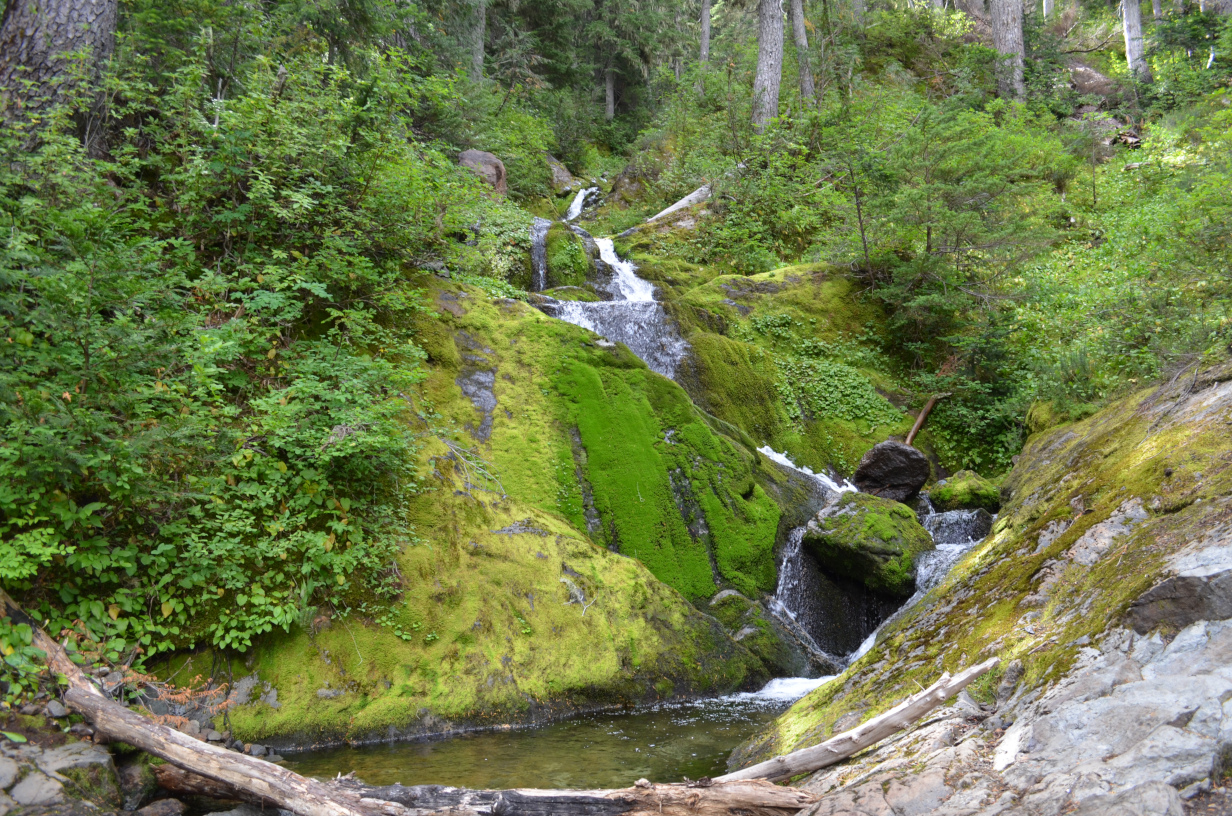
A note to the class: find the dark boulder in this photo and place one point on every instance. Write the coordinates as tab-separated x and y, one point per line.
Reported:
892	470
1181	600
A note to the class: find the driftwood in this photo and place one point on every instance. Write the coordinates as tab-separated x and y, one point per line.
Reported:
201	768
848	743
756	798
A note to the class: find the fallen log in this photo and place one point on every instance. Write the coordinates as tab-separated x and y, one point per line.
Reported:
848	743
919	420
703	798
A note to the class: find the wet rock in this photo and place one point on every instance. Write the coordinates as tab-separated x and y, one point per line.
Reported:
56	709
751	625
965	490
163	807
871	540
487	167
256	750
892	470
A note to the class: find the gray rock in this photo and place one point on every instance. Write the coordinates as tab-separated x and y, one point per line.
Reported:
487	167
241	692
56	709
8	772
214	736
257	750
75	755
562	179
37	789
1151	799
892	470
6	803
163	807
329	694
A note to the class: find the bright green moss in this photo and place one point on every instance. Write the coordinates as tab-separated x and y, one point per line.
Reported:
966	490
568	264
869	539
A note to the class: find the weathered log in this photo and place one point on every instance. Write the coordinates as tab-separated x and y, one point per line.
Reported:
919	420
684	799
848	743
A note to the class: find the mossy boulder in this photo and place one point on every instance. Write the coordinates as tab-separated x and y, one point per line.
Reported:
1095	513
869	539
753	627
966	490
568	262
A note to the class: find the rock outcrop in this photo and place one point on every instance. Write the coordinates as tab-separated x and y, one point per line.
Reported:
1104	580
892	470
562	180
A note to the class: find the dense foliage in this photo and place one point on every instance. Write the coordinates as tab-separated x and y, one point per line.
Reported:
207	386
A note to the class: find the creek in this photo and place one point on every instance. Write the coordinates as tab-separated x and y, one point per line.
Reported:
664	743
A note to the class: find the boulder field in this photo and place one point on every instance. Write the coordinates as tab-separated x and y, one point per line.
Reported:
1102	588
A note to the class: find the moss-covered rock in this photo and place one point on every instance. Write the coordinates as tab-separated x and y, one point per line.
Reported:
965	490
565	477
1095	511
869	539
568	263
753	627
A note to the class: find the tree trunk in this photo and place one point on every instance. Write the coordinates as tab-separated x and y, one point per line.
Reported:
1158	9
36	36
800	36
1048	8
609	93
704	57
769	62
849	743
478	33
1007	40
1131	18
858	8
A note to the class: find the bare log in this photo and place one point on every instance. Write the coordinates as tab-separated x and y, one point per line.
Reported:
696	197
848	743
919	421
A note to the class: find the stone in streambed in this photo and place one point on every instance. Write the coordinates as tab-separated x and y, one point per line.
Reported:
965	490
751	625
869	539
892	470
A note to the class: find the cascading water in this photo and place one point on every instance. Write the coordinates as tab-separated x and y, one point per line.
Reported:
632	316
579	202
539	253
809	603
954	532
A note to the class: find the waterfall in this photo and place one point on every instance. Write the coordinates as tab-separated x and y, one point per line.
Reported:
539	253
579	201
797	602
954	532
632	316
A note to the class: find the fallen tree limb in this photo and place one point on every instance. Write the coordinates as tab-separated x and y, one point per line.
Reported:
848	743
919	420
205	769
696	197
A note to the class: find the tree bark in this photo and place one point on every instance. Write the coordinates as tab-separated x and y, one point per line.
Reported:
1007	40
609	93
704	56
35	38
1131	20
478	34
769	63
1048	8
800	35
836	749
1157	8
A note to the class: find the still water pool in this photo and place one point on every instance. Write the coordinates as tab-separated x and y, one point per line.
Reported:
663	743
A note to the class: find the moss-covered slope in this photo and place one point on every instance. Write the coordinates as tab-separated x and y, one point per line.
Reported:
1094	510
574	503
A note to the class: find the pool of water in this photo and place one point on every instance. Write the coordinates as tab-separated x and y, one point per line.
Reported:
663	743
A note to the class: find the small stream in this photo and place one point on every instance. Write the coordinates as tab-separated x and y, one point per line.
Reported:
663	743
